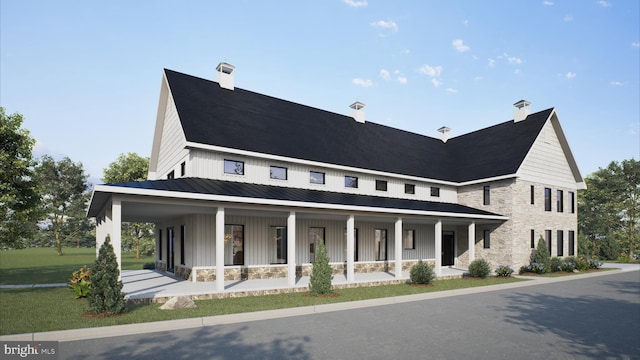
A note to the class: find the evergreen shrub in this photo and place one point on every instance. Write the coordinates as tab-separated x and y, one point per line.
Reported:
106	296
421	273
479	268
321	273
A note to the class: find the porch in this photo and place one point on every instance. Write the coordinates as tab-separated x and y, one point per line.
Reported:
144	286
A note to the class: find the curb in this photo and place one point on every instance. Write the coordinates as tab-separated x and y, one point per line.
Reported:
191	323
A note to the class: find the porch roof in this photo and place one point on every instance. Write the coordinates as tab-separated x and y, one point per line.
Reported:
230	191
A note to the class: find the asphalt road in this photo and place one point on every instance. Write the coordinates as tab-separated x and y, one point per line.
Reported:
593	318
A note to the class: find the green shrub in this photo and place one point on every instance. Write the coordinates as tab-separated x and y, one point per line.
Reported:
594	264
567	266
541	255
582	264
106	296
421	273
555	264
80	282
149	266
504	271
321	273
479	268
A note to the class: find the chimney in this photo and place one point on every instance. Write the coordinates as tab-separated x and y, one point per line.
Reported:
521	111
357	113
445	133
225	76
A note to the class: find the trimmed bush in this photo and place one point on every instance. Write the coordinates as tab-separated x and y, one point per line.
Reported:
555	264
149	266
321	273
479	268
106	296
421	273
504	271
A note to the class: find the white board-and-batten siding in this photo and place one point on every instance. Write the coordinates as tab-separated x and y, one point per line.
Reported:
172	143
259	247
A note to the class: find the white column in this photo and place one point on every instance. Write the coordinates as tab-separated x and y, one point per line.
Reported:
101	231
398	247
438	237
351	226
291	248
220	249
116	231
472	241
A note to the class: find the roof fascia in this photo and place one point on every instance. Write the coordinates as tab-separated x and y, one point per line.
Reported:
486	180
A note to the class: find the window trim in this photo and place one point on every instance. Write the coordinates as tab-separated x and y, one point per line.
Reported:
572	243
235	163
572	199
410	189
315	182
404	239
272	177
533	239
183	168
381	185
560	201
282	256
560	243
353	184
233	256
547	199
434	191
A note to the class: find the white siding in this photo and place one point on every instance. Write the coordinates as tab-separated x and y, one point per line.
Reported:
172	146
546	162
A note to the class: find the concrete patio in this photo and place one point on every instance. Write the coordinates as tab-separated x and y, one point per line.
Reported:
153	286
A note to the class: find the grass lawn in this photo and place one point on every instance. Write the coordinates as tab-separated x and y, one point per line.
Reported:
57	310
43	265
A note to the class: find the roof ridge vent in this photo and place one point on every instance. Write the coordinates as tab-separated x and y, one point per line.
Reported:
522	110
445	133
225	76
357	113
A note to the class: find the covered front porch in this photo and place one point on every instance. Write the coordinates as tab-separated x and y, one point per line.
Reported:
144	286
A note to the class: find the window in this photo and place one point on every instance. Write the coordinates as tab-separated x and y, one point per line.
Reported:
381	185
487	239
435	191
572	248
533	239
486	198
234	244
381	244
547	199
409	189
279	244
159	244
533	195
572	199
183	169
171	175
547	239
409	239
560	241
182	245
234	167
316	235
316	177
351	181
560	201
277	172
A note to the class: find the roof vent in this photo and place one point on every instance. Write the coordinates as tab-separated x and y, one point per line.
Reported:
357	113
225	76
445	133
522	110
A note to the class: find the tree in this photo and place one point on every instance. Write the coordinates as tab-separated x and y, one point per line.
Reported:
321	273
126	168
106	296
19	199
64	194
541	255
610	206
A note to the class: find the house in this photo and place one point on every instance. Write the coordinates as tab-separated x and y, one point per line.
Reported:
246	185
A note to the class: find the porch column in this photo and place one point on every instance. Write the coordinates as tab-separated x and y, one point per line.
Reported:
101	231
116	231
472	241
351	226
398	247
438	237
220	249
291	248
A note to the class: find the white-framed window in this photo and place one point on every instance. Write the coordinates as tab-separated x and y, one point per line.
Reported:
233	167
278	172
316	177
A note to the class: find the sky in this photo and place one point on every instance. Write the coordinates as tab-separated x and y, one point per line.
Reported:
86	74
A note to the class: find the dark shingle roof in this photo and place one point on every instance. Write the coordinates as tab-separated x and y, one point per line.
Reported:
255	191
246	120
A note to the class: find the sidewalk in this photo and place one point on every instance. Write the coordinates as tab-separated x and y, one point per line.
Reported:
131	329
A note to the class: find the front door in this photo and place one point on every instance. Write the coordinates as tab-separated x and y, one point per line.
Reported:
170	247
448	247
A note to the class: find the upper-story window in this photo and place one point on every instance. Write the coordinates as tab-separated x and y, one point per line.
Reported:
351	181
183	168
435	191
486	197
533	195
572	199
547	199
233	167
316	177
381	185
409	189
560	201
171	175
277	172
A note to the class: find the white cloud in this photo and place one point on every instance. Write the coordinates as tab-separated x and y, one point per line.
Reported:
478	78
362	82
547	2
567	18
635	44
356	4
385	74
451	91
570	75
492	62
514	60
391	25
430	70
616	83
603	3
459	45
436	82
402	80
